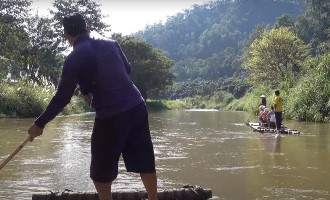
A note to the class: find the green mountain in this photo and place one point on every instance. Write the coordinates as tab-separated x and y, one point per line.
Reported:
206	40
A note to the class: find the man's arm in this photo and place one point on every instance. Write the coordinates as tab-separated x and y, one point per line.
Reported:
275	102
59	101
61	98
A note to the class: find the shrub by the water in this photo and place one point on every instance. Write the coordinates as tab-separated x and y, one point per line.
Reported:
24	100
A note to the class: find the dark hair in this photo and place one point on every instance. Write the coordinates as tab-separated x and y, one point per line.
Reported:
74	24
277	92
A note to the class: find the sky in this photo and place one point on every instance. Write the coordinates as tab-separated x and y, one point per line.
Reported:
129	16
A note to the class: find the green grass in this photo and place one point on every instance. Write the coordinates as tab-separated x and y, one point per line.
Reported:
23	100
165	104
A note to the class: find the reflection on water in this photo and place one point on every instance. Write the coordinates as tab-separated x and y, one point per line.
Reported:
213	149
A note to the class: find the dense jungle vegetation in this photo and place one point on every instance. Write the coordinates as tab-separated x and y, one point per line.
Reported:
223	54
234	51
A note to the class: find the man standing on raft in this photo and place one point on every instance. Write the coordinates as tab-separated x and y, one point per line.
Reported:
121	125
278	108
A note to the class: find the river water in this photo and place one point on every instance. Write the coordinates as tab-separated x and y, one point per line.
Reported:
211	149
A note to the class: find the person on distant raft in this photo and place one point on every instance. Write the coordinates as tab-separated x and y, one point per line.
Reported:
271	118
263	100
121	125
264	119
261	111
278	108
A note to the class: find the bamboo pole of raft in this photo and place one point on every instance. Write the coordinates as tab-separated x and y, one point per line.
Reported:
181	194
15	152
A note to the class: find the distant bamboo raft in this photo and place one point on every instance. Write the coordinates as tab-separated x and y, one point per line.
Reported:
259	128
187	193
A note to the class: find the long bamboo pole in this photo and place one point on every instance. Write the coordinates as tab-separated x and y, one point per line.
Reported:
15	152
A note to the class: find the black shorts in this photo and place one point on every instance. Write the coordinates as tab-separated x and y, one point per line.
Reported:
128	134
278	117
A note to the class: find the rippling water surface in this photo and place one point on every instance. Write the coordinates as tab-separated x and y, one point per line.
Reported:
212	149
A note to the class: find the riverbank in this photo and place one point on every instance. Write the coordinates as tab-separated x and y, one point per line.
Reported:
28	101
21	100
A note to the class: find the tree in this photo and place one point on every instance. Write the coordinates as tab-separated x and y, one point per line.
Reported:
314	26
43	61
13	37
304	29
319	11
257	32
88	8
284	21
278	56
151	71
14	11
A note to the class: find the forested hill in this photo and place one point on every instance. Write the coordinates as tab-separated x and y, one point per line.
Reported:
205	41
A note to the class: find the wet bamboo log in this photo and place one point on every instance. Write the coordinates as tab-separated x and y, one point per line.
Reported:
175	194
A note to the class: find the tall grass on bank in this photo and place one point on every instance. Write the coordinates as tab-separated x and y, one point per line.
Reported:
23	100
218	100
165	104
310	98
251	101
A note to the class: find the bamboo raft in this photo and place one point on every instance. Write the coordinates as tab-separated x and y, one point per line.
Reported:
185	193
257	127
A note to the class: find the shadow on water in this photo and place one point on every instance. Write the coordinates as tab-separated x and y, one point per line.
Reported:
213	149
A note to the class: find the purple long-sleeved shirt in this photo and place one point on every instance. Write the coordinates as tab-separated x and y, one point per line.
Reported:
101	60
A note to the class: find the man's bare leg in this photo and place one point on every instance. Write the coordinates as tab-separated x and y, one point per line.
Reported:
150	183
103	190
